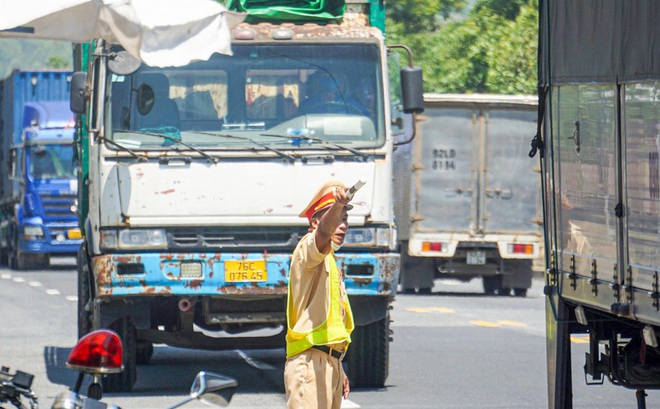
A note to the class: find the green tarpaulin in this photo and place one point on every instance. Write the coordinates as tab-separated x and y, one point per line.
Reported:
289	10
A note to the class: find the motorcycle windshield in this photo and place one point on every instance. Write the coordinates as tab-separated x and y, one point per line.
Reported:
283	96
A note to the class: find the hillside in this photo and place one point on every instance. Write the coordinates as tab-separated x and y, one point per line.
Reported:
26	54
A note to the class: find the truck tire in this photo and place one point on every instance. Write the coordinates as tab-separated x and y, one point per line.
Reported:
84	294
520	292
23	261
368	355
124	381
4	256
27	261
143	352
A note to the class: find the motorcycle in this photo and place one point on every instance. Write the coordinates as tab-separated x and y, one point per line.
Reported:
14	388
100	353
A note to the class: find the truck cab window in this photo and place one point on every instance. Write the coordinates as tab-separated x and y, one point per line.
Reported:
51	162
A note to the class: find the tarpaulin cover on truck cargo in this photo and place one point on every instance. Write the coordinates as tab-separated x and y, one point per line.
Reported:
161	33
590	41
289	10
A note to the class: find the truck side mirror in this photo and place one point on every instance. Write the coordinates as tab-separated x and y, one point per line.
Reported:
77	96
412	90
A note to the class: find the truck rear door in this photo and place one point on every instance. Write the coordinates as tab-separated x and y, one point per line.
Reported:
446	170
510	192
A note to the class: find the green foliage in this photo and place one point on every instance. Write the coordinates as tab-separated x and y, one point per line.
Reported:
419	16
58	62
30	54
493	50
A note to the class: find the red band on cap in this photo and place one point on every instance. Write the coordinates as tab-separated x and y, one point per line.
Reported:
324	202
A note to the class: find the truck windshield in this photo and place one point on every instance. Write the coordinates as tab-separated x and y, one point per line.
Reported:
51	162
330	92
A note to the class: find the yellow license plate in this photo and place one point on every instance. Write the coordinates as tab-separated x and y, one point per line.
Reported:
241	271
74	234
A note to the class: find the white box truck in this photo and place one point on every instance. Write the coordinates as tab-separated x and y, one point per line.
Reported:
467	197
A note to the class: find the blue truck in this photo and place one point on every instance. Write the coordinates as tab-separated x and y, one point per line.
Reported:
38	183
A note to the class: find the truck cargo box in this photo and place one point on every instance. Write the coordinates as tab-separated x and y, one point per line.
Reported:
474	194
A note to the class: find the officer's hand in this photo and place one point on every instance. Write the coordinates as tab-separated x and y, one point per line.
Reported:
347	387
340	195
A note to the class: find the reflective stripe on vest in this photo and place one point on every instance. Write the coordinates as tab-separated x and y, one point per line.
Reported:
334	329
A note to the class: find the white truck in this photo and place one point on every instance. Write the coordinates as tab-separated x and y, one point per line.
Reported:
467	196
192	179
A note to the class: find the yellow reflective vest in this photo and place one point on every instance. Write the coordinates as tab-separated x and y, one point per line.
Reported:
334	330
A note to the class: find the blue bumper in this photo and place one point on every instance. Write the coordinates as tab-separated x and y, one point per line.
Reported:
207	274
56	240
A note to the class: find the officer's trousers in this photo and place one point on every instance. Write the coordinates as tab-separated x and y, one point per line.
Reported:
313	380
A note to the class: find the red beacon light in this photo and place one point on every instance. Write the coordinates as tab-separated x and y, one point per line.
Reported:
99	352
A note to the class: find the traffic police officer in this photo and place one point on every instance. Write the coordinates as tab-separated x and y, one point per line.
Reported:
319	317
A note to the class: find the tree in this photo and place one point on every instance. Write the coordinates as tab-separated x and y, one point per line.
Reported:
493	50
58	62
419	16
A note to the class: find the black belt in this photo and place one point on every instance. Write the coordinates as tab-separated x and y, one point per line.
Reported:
332	352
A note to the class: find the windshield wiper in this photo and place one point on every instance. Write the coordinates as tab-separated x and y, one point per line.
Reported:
140	158
290	158
175	140
361	154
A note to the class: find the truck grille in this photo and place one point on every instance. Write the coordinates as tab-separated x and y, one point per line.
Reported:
58	207
235	238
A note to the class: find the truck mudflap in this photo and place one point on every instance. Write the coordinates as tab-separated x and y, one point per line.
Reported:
199	274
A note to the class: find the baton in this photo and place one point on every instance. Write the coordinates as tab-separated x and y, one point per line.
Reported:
355	188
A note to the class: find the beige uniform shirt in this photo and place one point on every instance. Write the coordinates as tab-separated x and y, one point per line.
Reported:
309	281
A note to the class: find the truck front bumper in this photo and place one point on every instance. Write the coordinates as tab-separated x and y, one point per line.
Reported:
59	238
201	274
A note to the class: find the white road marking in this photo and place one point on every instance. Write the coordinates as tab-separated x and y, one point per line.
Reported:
253	363
348	404
71	298
5	276
52	292
34	284
19	279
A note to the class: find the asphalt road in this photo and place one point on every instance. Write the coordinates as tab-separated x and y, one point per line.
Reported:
455	348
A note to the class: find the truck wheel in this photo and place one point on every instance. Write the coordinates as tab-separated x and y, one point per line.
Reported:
368	354
23	261
84	294
520	292
143	352
4	256
124	381
28	261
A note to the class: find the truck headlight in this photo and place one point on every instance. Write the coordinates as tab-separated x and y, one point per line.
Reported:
33	232
137	239
360	237
370	237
